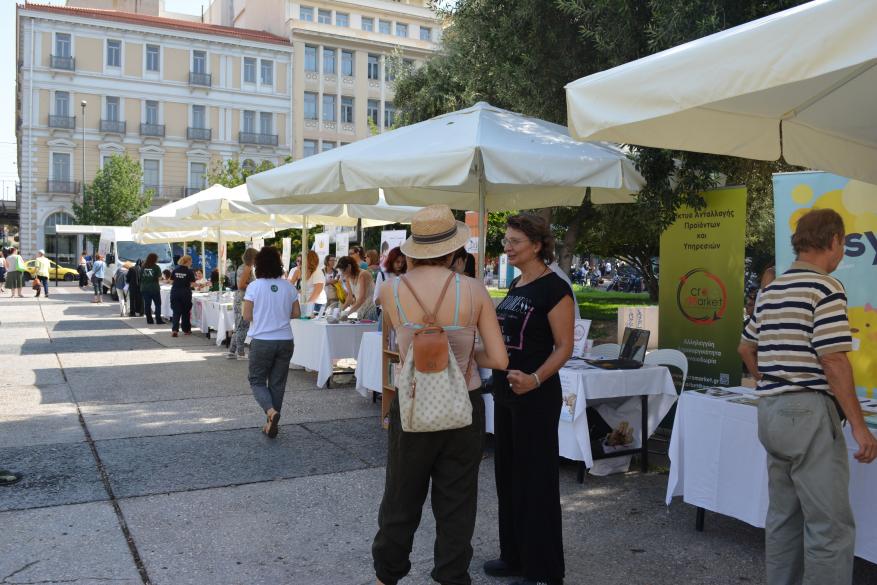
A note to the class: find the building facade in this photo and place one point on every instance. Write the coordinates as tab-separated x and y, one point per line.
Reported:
175	95
345	55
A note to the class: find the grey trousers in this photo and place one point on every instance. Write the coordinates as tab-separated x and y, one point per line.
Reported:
241	327
269	368
810	531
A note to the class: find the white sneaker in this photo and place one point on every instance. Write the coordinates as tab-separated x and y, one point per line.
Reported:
242	358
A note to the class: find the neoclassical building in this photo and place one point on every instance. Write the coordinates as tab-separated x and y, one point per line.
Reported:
175	95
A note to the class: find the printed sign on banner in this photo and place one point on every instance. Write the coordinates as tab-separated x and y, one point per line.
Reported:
580	337
286	255
391	239
472	245
856	202
701	287
342	244
321	246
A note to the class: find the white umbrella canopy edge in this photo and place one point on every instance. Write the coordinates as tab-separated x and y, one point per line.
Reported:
800	85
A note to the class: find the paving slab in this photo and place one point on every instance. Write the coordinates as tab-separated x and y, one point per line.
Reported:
151	465
364	436
39	369
35	416
80	544
188	415
54	475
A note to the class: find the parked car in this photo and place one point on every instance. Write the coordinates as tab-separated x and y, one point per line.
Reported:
62	272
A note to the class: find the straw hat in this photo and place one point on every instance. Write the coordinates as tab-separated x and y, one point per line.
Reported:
435	233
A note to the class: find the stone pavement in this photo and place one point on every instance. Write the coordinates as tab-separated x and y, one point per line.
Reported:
144	464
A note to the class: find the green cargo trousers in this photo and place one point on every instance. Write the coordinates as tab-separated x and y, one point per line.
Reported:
810	532
450	460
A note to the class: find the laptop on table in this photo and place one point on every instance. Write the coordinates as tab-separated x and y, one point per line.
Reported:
632	353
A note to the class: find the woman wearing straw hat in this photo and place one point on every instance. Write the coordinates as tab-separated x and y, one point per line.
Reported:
449	458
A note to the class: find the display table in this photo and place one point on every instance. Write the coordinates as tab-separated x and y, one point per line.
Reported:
718	463
165	294
208	313
318	343
368	364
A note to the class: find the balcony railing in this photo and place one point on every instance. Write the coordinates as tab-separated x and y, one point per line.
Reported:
65	63
204	79
256	138
68	122
198	133
112	126
56	186
191	190
151	129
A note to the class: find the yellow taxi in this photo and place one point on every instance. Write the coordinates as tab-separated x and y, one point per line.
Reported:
67	274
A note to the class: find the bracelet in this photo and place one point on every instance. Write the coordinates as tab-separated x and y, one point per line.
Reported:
538	381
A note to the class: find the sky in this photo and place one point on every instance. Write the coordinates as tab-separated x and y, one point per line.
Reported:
7	74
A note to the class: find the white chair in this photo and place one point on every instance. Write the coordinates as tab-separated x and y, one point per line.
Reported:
605	351
669	357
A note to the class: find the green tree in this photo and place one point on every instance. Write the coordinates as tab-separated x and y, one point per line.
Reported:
115	196
233	172
519	54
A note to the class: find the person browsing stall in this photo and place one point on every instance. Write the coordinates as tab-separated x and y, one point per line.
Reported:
181	296
795	345
536	318
445	461
360	289
270	301
244	276
394	265
150	277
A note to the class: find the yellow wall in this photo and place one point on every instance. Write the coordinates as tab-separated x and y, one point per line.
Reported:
235	124
46	47
133	59
89	54
176	119
176	64
132	115
280	126
92	111
175	168
280	77
45	97
236	64
213	120
214	67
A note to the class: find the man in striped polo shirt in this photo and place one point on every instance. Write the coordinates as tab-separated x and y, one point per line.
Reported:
796	346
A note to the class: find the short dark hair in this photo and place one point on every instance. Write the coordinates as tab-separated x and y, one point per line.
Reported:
346	262
268	263
817	229
392	255
537	230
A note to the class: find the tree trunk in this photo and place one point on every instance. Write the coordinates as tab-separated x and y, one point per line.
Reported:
564	248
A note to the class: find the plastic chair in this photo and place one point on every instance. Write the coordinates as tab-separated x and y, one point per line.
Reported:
605	351
669	357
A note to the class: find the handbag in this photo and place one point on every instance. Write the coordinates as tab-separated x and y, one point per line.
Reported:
433	394
339	291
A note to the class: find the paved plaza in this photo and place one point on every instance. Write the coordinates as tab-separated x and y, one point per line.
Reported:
143	463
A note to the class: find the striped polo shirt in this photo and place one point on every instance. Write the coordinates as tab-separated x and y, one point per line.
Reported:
798	317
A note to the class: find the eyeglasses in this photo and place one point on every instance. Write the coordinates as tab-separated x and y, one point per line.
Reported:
512	242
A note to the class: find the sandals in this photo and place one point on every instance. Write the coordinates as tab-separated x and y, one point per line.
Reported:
271	427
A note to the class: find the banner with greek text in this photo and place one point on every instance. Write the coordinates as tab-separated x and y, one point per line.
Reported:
700	295
797	193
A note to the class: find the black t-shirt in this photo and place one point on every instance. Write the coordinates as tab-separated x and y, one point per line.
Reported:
182	277
523	318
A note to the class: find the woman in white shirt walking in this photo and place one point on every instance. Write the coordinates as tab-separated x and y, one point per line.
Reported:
269	303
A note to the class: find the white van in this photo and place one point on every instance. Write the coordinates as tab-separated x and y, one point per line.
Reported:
116	243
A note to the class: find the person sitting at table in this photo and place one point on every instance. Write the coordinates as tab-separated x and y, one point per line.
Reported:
270	301
449	459
214	280
394	265
360	289
181	296
167	276
536	318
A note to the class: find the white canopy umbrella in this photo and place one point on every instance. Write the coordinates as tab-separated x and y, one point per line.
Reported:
798	84
481	158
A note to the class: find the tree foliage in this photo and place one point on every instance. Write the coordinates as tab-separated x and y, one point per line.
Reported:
115	196
519	55
233	172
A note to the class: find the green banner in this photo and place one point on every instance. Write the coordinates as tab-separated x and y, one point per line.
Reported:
701	287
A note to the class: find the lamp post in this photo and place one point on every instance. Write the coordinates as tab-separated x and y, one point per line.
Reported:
82	104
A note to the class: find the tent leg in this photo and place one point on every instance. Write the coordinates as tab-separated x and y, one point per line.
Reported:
482	228
304	263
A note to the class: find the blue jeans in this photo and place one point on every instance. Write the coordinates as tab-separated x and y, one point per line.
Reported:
150	297
45	281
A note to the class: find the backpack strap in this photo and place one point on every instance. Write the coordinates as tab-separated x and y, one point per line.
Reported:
429	318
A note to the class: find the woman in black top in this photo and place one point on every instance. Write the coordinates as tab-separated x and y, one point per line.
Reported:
181	295
536	318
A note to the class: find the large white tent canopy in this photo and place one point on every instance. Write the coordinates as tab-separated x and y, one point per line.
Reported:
800	84
480	156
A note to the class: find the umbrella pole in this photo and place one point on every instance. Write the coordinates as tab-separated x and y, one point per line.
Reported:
304	261
203	258
482	227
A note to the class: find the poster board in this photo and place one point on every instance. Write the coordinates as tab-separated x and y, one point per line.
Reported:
286	254
856	202
321	246
391	239
701	287
342	244
581	328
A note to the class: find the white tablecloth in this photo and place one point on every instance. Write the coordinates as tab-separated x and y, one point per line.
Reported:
208	314
718	463
317	343
368	364
165	293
